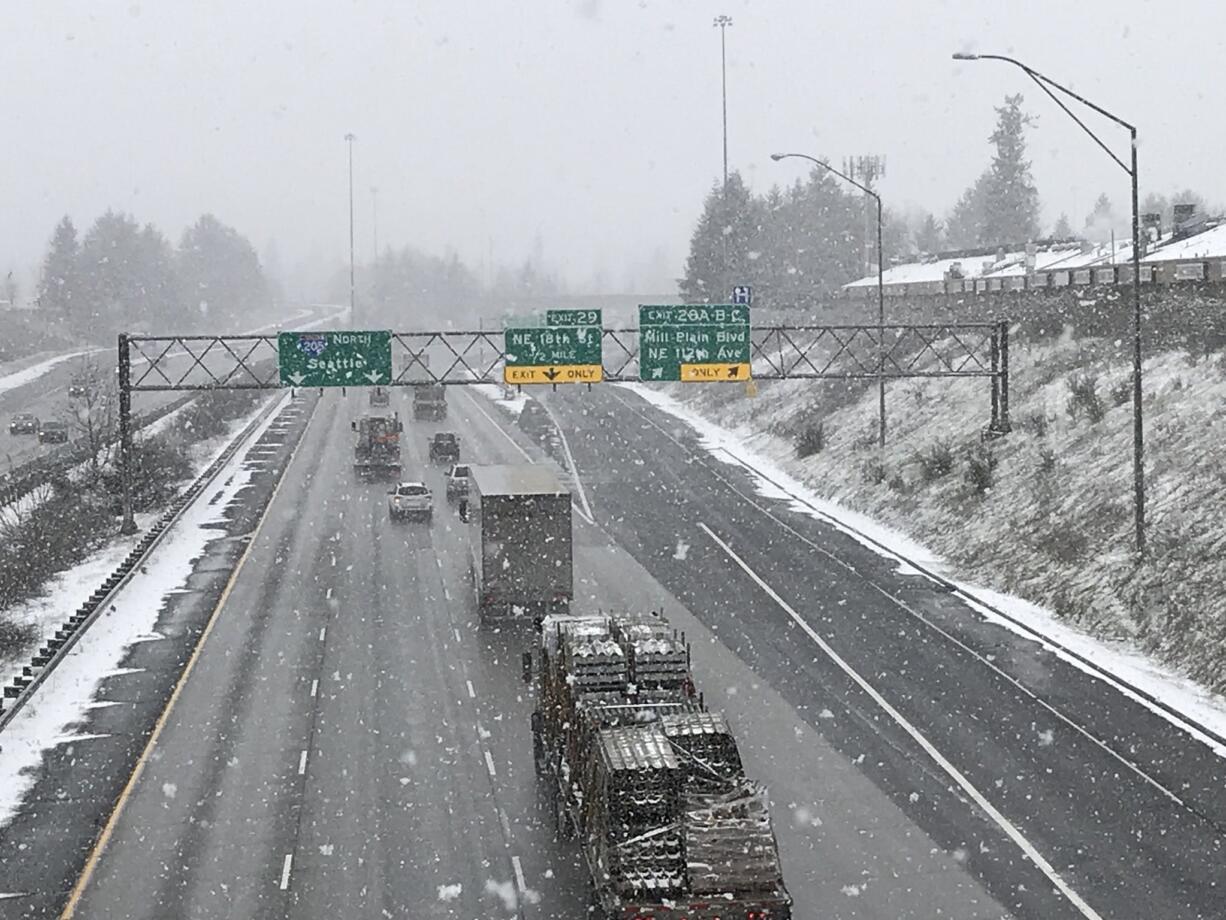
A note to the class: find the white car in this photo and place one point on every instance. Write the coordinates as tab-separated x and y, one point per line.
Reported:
410	499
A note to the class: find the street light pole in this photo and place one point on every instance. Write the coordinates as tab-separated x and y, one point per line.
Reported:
1047	84
880	282
722	22
349	138
374	222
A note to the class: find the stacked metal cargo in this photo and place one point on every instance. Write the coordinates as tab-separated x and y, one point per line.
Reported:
650	781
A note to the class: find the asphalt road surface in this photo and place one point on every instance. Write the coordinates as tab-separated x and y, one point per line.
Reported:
350	743
47	396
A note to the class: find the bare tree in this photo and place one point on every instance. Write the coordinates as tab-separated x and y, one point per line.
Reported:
94	416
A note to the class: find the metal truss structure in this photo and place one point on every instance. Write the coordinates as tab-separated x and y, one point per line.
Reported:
849	352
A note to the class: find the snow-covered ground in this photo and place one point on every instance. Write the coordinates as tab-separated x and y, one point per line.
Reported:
510	401
976	541
29	374
67	694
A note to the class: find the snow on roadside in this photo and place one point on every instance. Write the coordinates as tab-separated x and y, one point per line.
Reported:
496	394
68	693
1199	705
34	371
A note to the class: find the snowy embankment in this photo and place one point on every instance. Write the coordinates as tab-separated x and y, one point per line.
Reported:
67	694
19	378
1052	522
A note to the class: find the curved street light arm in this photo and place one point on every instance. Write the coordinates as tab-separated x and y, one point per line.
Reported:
1046	84
826	166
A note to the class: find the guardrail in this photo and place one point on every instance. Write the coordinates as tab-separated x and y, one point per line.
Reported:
22	688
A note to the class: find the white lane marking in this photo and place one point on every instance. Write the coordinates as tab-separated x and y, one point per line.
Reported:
314	687
438	562
472	694
505	822
323	631
328	595
285	867
446	593
302	763
489	765
334	560
456	630
519	874
586	511
953	772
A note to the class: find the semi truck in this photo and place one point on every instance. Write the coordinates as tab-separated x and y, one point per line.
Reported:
429	402
519	520
646	779
376	449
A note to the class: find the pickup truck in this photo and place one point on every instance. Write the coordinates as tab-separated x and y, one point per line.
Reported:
445	448
410	499
457	481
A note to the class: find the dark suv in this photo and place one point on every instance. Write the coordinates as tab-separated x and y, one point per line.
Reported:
23	423
53	432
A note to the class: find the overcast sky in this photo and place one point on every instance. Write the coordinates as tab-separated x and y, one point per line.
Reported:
594	124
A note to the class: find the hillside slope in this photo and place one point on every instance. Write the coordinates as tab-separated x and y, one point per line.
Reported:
1046	512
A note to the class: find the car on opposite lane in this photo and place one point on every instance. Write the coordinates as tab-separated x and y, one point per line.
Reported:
410	499
53	432
23	423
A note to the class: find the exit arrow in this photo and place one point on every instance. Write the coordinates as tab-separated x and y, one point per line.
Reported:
296	379
552	373
732	371
374	376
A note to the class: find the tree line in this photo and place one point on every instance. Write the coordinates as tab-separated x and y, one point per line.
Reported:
121	275
797	246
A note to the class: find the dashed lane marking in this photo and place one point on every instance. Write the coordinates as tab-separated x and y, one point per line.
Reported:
285	869
519	874
472	694
314	687
489	765
302	759
323	631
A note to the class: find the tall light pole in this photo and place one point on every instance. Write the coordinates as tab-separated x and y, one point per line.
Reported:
1138	429
722	22
880	282
349	139
374	222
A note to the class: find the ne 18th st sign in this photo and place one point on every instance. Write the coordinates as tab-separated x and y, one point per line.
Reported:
334	359
553	354
697	343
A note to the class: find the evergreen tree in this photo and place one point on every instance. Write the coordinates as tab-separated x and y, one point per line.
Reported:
1011	200
60	281
1102	211
1062	230
111	280
722	244
220	273
930	238
966	227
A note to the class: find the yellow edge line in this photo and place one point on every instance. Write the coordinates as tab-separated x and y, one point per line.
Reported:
104	838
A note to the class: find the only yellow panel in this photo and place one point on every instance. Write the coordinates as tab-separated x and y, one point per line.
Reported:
713	373
553	373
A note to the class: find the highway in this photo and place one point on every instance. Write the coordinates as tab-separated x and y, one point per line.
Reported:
47	396
350	742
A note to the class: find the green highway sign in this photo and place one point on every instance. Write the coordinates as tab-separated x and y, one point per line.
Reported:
334	359
553	354
696	343
573	318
